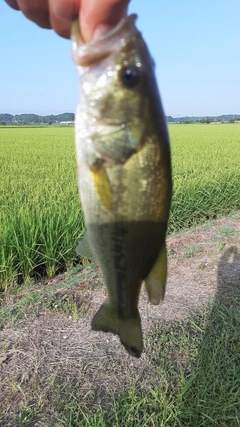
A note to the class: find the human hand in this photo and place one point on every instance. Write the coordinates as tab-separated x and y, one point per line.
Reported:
96	17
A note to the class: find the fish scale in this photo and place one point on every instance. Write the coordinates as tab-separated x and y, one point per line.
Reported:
124	174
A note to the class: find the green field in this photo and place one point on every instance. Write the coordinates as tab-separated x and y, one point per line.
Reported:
40	217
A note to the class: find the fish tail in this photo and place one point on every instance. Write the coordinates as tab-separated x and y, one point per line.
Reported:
129	330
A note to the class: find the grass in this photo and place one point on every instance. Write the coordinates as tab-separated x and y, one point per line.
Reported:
41	219
194	381
67	298
189	375
198	365
227	231
193	250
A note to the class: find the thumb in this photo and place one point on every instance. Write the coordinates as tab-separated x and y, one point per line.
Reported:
99	17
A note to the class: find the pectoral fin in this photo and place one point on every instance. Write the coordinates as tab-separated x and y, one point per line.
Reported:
102	186
83	248
155	282
129	330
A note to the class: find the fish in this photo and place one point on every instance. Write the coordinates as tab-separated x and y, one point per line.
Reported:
124	174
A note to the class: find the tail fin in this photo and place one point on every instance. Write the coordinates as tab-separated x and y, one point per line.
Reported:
129	330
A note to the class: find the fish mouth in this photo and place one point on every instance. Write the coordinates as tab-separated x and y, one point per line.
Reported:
85	54
126	20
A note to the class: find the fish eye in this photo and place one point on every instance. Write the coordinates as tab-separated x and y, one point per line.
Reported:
130	76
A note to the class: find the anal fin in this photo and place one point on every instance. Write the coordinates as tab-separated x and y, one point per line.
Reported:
155	282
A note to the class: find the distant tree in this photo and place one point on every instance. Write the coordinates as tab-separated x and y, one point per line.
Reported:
4	123
6	118
206	120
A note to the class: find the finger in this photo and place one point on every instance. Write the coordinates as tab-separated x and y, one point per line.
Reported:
62	13
95	16
36	11
65	10
98	17
13	4
61	27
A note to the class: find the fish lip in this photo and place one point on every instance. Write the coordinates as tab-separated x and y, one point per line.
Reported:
86	53
126	20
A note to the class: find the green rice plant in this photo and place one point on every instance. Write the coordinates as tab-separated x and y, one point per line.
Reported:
206	177
41	219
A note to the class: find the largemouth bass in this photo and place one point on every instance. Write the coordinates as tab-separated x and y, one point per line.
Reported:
124	174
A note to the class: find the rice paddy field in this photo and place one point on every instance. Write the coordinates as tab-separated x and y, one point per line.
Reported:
41	219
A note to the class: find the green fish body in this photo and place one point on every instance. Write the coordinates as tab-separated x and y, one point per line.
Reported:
124	174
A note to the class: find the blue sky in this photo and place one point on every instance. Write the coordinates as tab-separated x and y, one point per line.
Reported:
196	47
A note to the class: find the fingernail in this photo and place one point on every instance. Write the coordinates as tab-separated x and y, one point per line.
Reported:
101	30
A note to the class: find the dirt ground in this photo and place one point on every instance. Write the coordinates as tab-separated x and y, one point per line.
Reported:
204	263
